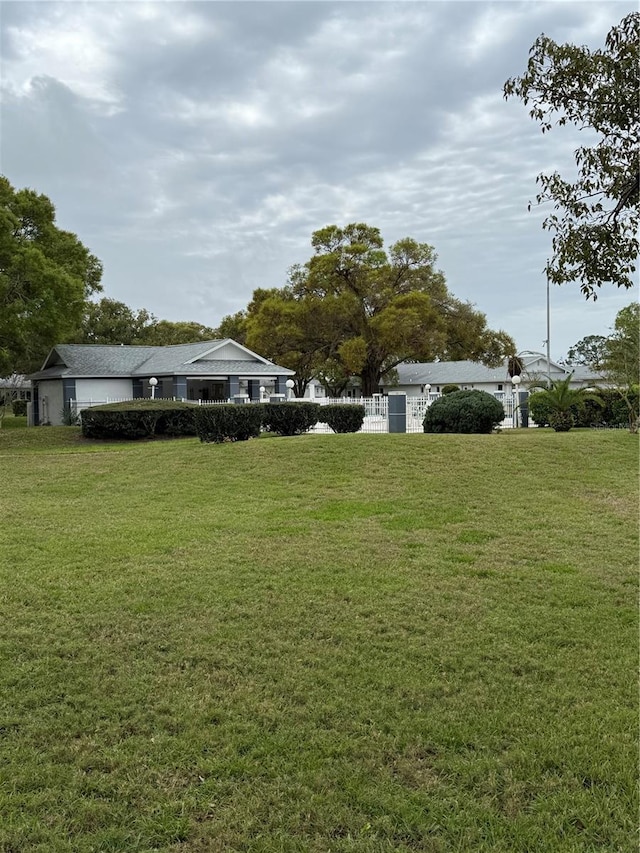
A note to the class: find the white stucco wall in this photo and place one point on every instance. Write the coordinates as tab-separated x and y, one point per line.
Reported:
50	402
101	390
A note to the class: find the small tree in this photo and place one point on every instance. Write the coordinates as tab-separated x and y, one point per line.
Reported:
621	362
559	400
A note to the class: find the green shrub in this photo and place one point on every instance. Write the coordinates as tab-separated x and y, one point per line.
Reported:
465	412
70	416
290	418
136	419
615	411
608	410
450	389
342	417
228	422
19	408
539	408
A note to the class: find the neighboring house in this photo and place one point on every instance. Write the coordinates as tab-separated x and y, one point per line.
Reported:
430	377
81	375
15	387
317	391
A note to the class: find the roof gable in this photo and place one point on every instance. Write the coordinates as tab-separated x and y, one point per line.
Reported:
228	349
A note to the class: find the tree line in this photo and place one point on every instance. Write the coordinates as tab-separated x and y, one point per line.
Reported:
353	308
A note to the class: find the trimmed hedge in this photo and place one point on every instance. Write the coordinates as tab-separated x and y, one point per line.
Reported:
290	418
228	422
464	412
137	419
450	389
342	417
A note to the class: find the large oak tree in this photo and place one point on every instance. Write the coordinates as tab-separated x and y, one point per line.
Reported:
357	309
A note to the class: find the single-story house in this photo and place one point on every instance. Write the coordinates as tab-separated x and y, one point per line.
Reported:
80	375
430	377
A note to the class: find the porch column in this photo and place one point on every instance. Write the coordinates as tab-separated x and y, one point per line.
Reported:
397	412
254	390
523	397
180	387
232	387
36	404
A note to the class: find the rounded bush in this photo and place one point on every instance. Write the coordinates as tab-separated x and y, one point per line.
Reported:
19	408
290	418
539	408
228	422
465	412
449	389
343	417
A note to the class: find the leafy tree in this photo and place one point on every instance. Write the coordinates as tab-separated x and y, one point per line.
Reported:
233	326
111	322
589	351
46	276
294	332
595	219
380	308
167	333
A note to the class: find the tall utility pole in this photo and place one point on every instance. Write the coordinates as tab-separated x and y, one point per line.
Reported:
548	341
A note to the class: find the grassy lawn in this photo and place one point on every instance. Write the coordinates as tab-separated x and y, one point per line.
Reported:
325	643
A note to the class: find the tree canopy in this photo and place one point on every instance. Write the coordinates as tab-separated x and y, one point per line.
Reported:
595	216
357	309
112	322
168	332
589	351
46	276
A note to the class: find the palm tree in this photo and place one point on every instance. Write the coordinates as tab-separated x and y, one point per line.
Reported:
560	397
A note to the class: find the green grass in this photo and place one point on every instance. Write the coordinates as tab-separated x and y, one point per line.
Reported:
324	643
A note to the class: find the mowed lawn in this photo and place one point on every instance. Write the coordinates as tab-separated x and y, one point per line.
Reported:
322	643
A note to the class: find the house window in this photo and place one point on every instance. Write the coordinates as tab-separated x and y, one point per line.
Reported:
500	386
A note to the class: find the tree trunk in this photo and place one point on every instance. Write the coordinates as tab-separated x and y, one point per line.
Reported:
370	381
300	386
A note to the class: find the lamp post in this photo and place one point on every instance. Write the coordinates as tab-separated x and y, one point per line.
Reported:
289	383
153	382
263	392
516	385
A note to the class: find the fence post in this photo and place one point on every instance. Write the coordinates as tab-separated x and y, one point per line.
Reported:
397	412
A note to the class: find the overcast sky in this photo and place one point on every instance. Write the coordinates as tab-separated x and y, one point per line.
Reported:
195	147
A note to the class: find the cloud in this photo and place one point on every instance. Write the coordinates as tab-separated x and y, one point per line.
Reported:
196	146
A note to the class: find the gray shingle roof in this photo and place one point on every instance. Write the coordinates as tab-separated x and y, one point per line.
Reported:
449	372
471	372
95	360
